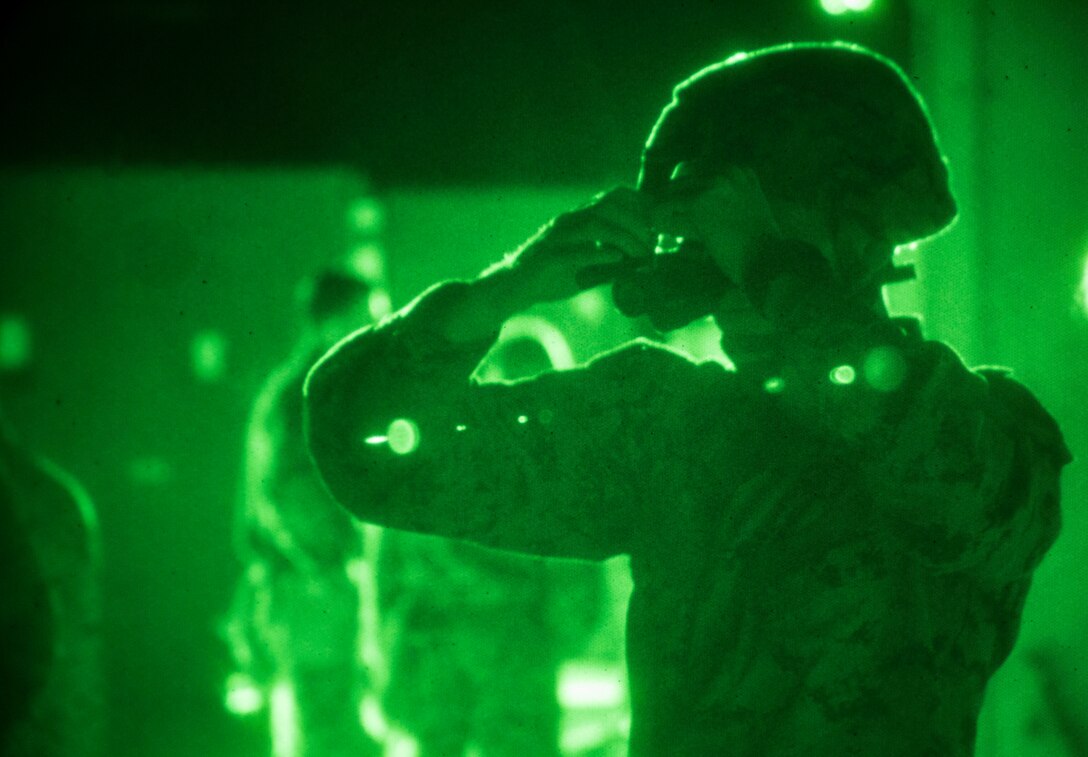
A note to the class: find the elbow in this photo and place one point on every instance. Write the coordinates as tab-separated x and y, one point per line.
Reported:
318	402
326	420
338	402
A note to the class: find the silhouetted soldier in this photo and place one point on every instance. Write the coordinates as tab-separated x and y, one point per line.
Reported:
303	617
830	547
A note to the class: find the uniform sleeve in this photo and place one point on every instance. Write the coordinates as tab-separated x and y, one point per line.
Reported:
555	465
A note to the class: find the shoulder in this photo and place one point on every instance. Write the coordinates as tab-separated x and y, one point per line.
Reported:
1018	410
1025	516
645	355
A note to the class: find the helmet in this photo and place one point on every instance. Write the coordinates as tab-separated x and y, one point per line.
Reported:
832	125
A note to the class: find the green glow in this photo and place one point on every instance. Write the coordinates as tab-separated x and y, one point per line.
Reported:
242	696
368	261
884	369
365	214
591	305
666	243
839	7
14	342
461	427
403	436
774	385
208	351
546	334
843	375
590	685
372	719
284	721
523	419
378	304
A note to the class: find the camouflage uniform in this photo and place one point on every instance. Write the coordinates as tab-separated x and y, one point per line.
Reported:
824	570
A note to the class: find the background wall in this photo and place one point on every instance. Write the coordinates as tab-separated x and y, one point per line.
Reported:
153	303
1007	84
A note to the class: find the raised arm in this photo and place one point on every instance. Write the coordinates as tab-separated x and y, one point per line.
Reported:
403	438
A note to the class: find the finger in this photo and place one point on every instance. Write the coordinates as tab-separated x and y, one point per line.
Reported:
625	207
595	275
596	231
672	219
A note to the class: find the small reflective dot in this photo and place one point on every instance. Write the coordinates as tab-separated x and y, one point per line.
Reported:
774	385
403	436
461	427
523	419
843	375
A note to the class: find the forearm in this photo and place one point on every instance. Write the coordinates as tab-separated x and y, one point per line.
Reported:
482	306
413	366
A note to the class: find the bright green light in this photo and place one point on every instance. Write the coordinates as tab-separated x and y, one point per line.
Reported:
375	440
523	419
284	725
774	385
403	436
839	7
242	697
843	375
588	685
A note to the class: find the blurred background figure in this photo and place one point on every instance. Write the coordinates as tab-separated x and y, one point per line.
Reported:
301	628
477	637
50	673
